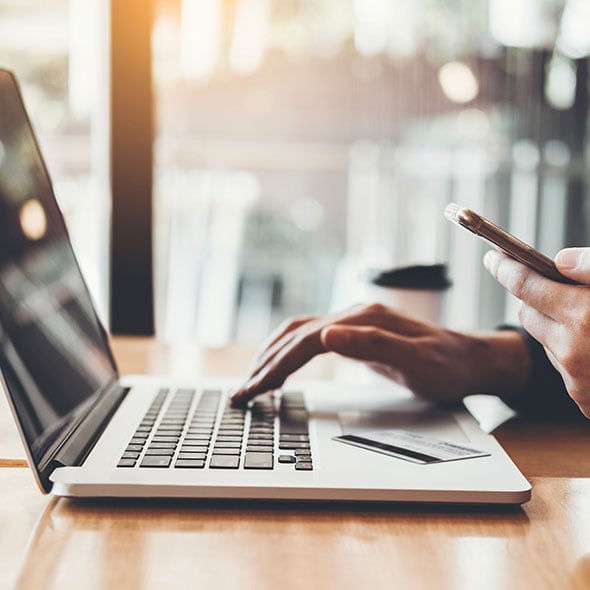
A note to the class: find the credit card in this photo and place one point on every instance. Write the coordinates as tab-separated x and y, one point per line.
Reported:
410	446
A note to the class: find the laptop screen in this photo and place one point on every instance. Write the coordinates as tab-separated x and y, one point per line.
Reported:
53	354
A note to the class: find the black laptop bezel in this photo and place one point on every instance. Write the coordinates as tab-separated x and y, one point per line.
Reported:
43	468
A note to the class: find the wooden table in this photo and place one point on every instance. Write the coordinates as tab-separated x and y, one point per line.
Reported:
53	543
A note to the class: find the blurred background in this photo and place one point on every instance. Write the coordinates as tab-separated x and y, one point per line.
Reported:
297	143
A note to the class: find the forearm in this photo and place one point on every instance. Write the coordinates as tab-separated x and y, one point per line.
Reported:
500	363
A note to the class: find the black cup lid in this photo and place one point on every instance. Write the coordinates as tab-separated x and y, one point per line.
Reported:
430	276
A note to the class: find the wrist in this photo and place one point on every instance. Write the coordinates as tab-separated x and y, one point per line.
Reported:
503	364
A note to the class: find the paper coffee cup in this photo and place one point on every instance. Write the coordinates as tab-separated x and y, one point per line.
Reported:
417	291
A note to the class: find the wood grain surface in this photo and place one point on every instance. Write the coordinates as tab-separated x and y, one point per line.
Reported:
48	543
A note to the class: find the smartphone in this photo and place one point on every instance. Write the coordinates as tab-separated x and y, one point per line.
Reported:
505	241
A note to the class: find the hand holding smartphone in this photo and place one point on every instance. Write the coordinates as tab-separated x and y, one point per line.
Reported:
506	242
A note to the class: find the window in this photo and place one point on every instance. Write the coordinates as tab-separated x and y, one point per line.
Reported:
302	142
57	49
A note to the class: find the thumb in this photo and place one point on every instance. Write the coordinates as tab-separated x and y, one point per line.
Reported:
574	263
365	343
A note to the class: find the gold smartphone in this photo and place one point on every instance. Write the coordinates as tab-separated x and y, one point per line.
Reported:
504	241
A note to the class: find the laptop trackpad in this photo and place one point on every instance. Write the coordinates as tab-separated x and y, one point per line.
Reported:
412	415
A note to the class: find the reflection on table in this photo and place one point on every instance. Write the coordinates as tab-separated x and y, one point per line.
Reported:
154	544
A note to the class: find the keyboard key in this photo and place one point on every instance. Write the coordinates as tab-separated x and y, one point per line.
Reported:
162	445
134	448
258	461
199	456
194	445
160	452
294	437
126	463
303	453
266	449
185	392
218	451
131	455
224	462
165	439
156	462
256	442
228	445
289	446
190	463
231	432
303	466
287	459
290	428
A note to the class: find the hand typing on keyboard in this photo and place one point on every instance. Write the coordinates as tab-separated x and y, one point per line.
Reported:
431	361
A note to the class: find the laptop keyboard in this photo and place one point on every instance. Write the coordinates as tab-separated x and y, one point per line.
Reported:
214	435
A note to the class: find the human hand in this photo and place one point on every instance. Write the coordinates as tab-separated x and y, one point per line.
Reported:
556	314
431	361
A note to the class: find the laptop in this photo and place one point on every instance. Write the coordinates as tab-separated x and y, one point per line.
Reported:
89	432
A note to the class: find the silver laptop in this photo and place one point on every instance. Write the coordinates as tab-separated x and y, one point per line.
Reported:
90	432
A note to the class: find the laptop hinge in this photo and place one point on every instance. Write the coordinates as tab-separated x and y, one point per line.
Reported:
81	441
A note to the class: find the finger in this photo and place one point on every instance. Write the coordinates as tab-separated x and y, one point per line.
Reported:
368	344
304	330
286	327
574	263
272	376
279	334
370	315
289	330
547	296
541	327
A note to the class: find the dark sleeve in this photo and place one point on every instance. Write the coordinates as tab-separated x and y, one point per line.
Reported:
545	395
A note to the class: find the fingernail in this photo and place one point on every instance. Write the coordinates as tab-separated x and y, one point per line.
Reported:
238	392
569	259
